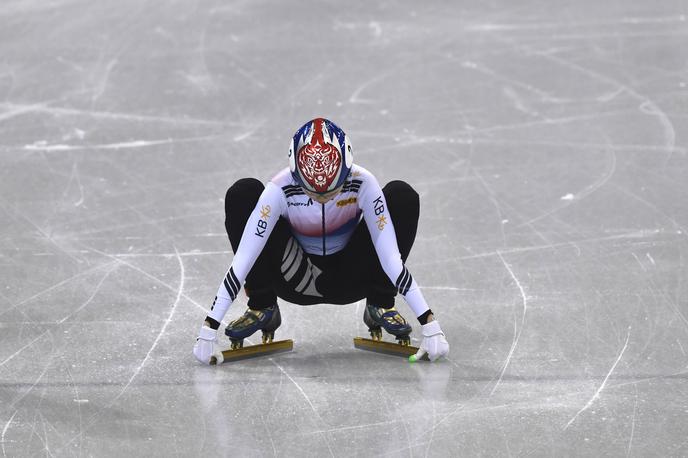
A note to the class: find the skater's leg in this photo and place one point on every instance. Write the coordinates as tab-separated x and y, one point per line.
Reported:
403	203
240	200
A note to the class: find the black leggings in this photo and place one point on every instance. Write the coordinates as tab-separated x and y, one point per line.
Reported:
283	269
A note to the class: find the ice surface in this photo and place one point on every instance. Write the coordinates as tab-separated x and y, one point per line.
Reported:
548	143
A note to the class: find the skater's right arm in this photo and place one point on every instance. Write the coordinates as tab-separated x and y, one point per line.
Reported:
271	205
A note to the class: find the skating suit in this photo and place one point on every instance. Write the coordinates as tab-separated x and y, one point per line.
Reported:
320	229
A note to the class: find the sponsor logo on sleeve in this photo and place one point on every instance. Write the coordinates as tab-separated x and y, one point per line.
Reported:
345	202
381	222
379	207
263	221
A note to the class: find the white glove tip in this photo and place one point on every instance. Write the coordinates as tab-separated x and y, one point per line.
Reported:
219	358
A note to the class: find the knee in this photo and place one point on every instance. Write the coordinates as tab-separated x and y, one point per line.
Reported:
244	193
244	187
400	193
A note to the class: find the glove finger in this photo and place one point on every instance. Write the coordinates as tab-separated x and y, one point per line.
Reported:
433	354
219	357
420	353
444	351
200	356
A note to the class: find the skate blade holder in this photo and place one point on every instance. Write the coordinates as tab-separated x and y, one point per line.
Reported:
387	348
255	351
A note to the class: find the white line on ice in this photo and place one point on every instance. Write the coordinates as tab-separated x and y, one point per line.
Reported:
635	410
22	349
642	234
100	88
182	278
493	198
19	109
649	256
639	263
308	400
46	447
77	400
152	277
681	230
58	284
445	288
355	96
580	195
180	295
167	255
517	330
354	427
4	430
432	433
604	382
619	147
538	26
647	105
88	301
33	385
43	146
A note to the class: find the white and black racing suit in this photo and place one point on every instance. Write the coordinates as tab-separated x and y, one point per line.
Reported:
350	248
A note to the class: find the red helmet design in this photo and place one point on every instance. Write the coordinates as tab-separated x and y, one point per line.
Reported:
320	156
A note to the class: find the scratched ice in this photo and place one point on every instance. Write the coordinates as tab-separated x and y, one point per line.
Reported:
548	144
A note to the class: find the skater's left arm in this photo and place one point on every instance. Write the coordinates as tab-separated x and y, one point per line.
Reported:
375	212
381	228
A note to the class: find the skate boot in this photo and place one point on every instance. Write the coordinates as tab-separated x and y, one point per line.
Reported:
377	318
266	320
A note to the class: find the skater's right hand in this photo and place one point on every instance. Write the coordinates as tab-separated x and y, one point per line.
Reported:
434	343
205	345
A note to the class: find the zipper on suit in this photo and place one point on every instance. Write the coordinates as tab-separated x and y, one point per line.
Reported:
323	228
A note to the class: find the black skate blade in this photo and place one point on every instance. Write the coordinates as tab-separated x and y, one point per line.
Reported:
387	348
255	351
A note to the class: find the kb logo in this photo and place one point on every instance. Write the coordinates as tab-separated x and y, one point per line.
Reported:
379	210
263	221
379	206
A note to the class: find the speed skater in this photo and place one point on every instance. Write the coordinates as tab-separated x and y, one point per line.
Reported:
320	231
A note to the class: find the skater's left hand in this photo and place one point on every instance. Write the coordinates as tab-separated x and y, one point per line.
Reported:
434	343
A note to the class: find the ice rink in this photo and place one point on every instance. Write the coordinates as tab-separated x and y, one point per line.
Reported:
548	143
